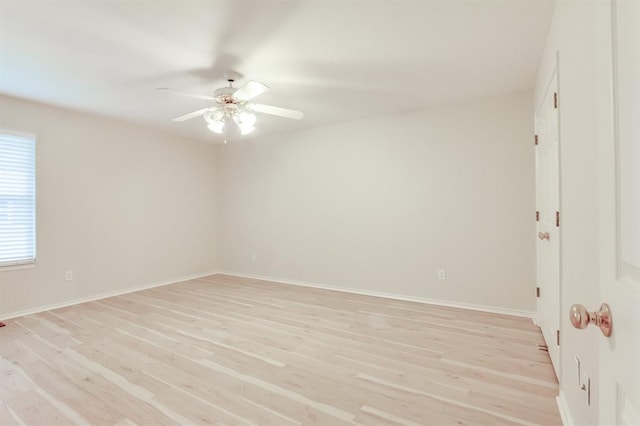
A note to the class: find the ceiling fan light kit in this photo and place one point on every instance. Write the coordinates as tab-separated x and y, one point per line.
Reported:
218	119
232	108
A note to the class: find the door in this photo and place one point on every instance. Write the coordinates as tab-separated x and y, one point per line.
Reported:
619	186
547	217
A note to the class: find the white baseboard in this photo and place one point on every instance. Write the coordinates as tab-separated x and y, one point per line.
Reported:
448	303
563	407
452	304
101	296
536	318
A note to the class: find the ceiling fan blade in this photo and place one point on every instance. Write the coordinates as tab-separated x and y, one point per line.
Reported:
274	110
249	91
191	115
191	95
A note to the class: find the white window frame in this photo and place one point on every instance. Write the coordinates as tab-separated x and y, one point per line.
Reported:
28	256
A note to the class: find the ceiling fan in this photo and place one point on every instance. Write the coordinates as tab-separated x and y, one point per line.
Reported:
232	105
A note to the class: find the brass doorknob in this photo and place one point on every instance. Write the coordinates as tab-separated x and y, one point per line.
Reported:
581	318
544	236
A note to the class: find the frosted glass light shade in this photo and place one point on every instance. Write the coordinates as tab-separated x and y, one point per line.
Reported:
216	126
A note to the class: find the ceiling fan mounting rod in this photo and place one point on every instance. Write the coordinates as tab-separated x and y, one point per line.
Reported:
231	77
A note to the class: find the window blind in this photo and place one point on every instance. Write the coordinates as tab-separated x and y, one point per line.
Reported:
17	200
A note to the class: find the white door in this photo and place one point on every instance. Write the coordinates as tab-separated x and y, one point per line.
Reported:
547	216
619	189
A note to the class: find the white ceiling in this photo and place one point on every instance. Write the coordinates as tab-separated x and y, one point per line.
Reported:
336	60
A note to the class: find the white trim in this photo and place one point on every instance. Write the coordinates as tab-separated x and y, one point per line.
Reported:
565	412
17	134
99	296
536	319
448	303
16	266
461	305
537	315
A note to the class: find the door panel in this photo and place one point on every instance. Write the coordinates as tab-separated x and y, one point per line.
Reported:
620	221
548	235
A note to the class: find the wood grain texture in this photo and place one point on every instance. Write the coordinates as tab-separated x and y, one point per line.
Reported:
229	350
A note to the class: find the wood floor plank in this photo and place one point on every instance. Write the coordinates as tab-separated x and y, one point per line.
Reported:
8	417
31	408
230	350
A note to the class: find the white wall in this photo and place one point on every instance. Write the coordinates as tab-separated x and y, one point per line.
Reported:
120	205
573	36
381	204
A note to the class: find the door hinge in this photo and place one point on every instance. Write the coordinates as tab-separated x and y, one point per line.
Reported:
535	139
537	291
557	218
537	216
555	100
558	337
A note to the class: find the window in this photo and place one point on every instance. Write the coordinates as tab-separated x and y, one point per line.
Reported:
17	199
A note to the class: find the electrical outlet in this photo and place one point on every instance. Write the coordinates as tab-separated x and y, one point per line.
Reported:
442	275
68	275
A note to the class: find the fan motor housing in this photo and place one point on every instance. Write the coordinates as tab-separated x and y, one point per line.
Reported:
224	95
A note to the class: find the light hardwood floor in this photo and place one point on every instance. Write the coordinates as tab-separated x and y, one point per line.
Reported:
228	350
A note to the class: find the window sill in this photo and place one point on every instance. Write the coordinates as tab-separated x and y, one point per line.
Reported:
7	268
